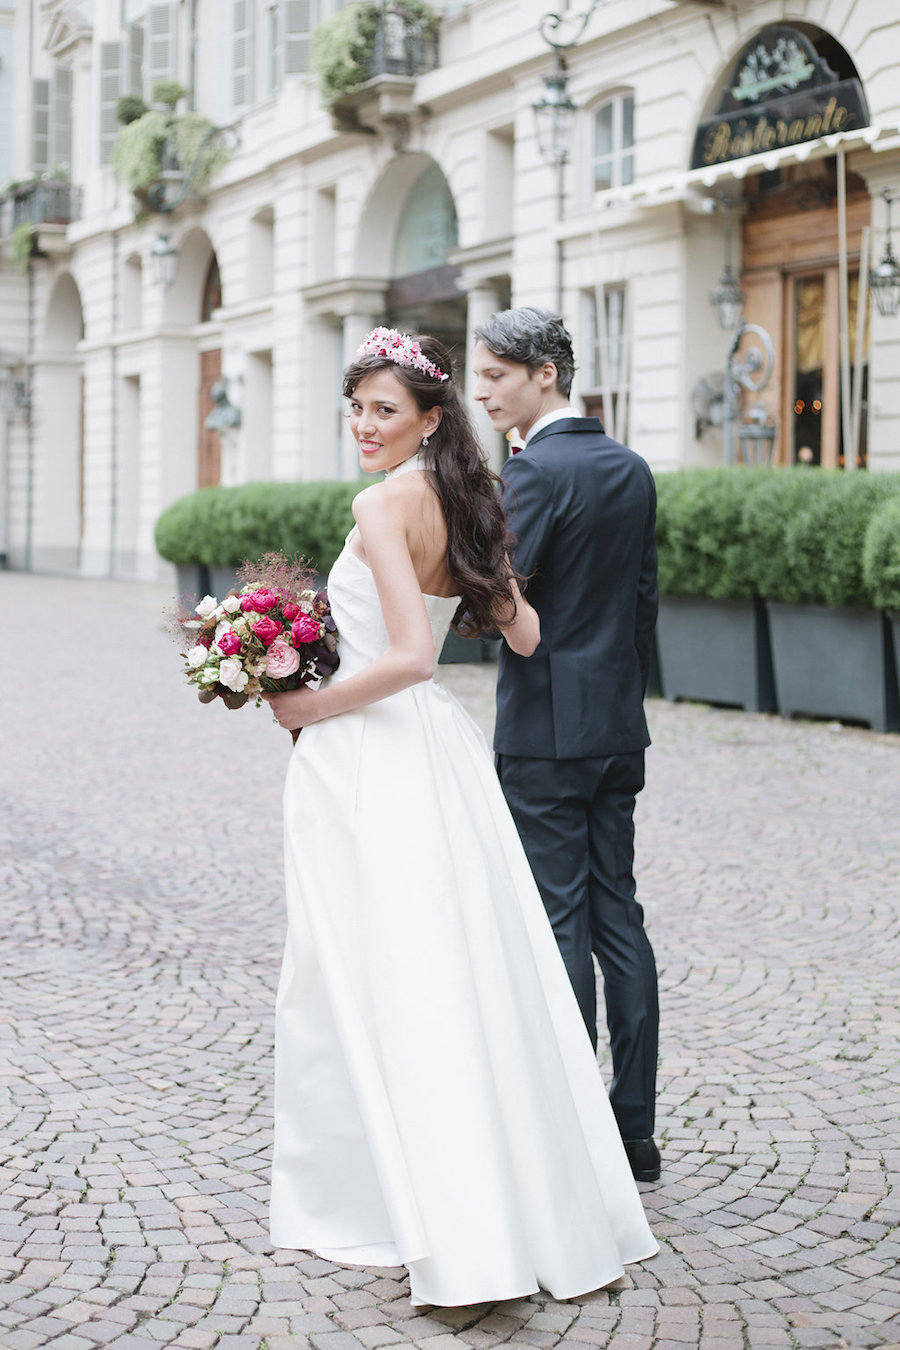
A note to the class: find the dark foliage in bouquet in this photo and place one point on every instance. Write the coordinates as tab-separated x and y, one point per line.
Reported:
273	634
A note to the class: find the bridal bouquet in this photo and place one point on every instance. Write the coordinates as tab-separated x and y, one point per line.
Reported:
274	634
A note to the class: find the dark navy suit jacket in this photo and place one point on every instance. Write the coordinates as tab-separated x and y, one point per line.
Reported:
583	509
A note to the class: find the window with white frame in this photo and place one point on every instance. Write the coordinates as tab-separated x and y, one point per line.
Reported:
146	52
51	121
289	30
609	356
612	158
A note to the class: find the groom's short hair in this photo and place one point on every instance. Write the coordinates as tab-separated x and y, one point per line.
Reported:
531	337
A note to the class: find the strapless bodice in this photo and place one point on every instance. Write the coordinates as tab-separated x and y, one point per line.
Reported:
360	623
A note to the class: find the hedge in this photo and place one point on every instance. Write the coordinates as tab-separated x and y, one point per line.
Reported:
225	526
794	534
881	555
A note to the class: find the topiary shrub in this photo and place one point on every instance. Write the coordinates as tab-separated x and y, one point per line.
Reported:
223	527
881	555
825	542
704	549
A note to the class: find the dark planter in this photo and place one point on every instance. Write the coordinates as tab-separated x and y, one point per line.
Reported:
193	581
654	679
834	663
222	580
893	621
457	650
716	651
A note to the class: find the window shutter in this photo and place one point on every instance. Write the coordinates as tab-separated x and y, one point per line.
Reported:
241	53
161	34
110	89
135	58
298	26
61	131
40	125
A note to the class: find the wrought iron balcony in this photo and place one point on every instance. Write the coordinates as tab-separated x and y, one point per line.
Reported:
45	203
404	44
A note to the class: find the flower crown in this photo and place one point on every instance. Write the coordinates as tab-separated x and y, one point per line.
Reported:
401	349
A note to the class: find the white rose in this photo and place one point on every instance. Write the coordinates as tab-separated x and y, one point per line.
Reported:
223	626
196	656
233	675
207	607
231	604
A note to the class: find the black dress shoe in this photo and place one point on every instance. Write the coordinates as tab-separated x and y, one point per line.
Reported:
644	1158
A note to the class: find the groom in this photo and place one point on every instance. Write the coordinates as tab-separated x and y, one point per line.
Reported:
570	731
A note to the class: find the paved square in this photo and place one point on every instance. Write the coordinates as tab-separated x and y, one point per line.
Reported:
142	921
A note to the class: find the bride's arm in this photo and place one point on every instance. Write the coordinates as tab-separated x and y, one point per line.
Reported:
409	659
523	632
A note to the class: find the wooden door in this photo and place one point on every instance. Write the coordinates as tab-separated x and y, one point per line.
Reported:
209	446
790	275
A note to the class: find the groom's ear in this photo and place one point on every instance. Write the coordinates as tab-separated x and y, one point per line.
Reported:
547	376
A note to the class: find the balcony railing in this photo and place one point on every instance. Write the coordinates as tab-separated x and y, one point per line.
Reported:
403	45
45	204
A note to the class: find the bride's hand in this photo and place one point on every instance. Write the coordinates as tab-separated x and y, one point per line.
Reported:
294	709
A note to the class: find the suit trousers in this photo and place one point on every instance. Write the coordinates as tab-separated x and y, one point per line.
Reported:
575	818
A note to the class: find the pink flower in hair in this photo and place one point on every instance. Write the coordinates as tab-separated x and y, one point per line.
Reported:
400	348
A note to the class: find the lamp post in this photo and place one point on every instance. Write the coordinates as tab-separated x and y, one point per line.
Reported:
748	366
554	112
171	189
884	280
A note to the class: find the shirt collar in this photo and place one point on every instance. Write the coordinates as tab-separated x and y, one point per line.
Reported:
555	416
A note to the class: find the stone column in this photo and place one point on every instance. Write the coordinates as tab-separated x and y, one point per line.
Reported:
355	328
483	301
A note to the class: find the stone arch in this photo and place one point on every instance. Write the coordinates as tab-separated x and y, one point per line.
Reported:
58	403
824	48
184	301
382	213
408	229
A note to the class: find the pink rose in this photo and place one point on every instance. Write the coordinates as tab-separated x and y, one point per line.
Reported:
229	643
290	611
281	660
304	629
267	630
261	600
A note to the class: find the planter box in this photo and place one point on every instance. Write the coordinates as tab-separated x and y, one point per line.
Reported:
834	663
716	651
193	581
222	580
457	650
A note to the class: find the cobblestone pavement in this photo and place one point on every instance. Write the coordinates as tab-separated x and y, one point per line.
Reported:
141	934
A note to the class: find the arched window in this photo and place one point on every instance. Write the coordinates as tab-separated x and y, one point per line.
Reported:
612	161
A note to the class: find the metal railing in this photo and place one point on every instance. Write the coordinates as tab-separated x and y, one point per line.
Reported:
46	204
403	45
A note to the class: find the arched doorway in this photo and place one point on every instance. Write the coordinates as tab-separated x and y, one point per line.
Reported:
782	114
209	442
423	296
58	505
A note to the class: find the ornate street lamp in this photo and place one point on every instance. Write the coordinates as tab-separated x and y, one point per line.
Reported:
884	280
163	260
554	113
727	298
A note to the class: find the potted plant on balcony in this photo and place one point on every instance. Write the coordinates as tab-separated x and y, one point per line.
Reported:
712	634
364	41
157	148
829	642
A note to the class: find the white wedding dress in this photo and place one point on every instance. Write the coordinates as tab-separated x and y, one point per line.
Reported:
437	1101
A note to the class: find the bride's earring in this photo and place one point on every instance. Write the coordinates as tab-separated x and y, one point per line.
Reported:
424	441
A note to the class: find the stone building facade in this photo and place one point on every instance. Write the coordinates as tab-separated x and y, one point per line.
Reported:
766	132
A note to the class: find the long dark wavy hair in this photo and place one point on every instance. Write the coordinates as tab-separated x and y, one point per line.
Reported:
478	540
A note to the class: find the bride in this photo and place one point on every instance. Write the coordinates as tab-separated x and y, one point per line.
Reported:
437	1100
